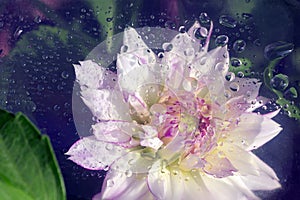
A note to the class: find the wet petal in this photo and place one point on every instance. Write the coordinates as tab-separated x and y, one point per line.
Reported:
92	75
119	186
246	87
172	183
253	131
132	74
136	161
115	132
225	189
106	104
85	152
215	60
218	165
174	149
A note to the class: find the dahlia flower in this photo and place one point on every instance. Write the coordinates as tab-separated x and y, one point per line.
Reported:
177	125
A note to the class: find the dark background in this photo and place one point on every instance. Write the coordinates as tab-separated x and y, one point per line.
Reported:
41	39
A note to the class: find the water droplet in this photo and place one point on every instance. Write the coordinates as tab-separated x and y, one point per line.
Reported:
189	84
221	40
200	33
170	24
167	47
240	74
280	82
128	173
204	18
106	168
220	66
278	50
65	74
108	146
110	183
124	48
230	76
189	52
247	16
234	86
18	32
257	42
56	107
227	21
160	55
175	172
37	19
109	19
182	29
235	62
291	93
239	46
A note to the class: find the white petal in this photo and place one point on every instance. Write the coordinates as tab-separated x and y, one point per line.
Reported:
176	73
253	131
106	104
139	106
262	182
218	166
216	60
269	129
173	183
159	182
114	131
247	87
225	189
121	186
154	143
247	163
265	179
92	75
138	161
93	154
132	75
173	150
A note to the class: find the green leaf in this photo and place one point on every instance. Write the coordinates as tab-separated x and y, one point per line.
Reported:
28	165
9	192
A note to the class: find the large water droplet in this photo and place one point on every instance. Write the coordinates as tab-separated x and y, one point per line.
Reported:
227	21
278	50
280	82
239	46
221	40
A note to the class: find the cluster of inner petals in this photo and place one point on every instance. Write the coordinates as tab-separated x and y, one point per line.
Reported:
182	112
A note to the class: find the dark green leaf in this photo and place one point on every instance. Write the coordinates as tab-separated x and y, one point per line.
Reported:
28	164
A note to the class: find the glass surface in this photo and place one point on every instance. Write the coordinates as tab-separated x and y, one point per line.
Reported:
41	39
